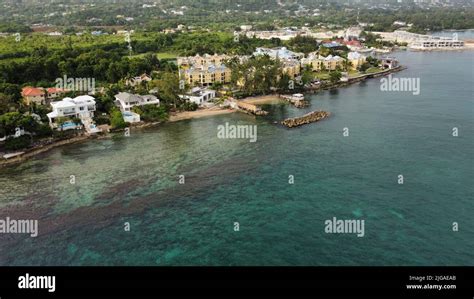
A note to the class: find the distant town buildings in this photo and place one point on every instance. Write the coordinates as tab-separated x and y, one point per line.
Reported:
422	41
332	45
282	34
399	23
352	33
246	27
54	33
436	43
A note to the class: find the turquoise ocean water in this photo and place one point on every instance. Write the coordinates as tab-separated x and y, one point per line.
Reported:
135	180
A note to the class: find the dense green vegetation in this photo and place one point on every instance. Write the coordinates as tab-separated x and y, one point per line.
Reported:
116	119
262	75
12	121
256	75
228	15
304	44
151	113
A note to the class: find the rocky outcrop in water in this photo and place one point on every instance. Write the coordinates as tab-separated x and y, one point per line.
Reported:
295	101
253	109
300	104
305	119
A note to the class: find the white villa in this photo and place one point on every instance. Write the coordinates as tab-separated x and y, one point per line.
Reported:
125	101
199	96
81	107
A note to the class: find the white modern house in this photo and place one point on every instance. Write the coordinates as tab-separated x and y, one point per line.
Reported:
126	101
199	96
81	107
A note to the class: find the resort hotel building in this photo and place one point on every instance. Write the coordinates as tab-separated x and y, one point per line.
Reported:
290	60
319	63
422	41
437	43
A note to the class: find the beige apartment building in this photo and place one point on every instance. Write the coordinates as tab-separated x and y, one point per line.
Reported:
356	59
292	68
318	63
204	70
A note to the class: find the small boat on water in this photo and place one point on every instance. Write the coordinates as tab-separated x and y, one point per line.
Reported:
294	97
298	97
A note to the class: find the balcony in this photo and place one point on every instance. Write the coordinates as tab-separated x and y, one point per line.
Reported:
69	112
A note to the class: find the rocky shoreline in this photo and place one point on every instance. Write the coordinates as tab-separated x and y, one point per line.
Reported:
29	153
311	117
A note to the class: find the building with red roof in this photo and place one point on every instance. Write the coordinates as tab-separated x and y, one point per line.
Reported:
33	95
39	95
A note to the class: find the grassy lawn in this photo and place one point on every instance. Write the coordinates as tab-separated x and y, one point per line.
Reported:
163	55
166	55
372	70
322	75
353	73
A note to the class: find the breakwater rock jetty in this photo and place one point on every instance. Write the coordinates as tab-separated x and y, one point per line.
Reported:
305	119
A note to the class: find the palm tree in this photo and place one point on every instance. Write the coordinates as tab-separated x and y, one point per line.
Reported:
60	121
77	121
347	64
